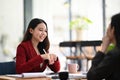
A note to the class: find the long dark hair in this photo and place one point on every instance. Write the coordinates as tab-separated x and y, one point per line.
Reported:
115	22
33	24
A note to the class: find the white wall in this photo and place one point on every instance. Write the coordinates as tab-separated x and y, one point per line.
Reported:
11	25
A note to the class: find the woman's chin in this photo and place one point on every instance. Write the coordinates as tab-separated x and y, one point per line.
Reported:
41	40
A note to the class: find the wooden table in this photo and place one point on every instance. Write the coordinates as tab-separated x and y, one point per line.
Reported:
38	78
15	78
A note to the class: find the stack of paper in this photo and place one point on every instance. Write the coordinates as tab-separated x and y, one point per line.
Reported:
29	75
33	75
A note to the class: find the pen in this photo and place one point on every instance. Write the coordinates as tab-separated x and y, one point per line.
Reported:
47	61
44	51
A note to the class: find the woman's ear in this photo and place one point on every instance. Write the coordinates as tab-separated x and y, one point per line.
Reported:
112	30
31	30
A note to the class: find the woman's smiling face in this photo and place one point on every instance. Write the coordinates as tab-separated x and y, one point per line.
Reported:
39	33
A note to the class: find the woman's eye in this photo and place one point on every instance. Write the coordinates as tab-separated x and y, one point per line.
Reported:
40	30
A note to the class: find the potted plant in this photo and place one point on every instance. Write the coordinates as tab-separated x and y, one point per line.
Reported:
79	24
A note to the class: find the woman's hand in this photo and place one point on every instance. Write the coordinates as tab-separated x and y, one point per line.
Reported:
53	58
45	56
105	43
107	39
50	57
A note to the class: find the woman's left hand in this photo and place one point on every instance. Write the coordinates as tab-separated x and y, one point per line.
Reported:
52	59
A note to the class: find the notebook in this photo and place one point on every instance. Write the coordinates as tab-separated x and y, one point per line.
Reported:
28	75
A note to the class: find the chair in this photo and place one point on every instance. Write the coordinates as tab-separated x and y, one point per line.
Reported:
7	68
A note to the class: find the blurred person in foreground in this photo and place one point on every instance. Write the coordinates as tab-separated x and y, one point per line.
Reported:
33	52
106	64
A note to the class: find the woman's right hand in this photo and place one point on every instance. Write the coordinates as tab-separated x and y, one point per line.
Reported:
107	39
105	43
50	57
45	56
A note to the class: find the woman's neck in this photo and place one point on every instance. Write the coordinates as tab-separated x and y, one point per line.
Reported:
34	43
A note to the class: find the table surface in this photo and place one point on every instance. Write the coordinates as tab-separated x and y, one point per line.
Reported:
37	78
3	77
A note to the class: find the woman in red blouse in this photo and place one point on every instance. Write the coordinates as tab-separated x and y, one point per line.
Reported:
33	52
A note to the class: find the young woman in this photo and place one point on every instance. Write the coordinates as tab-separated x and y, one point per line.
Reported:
33	52
106	65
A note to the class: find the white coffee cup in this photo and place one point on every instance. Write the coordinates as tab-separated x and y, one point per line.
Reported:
73	67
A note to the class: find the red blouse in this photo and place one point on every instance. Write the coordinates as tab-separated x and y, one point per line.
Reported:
27	60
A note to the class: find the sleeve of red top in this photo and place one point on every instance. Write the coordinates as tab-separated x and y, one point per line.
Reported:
22	65
56	66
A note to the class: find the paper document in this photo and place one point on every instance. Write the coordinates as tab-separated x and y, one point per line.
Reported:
33	75
14	75
29	75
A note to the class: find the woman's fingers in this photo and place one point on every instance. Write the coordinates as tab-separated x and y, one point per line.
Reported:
53	58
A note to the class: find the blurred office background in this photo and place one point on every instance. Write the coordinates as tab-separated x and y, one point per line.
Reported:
16	14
